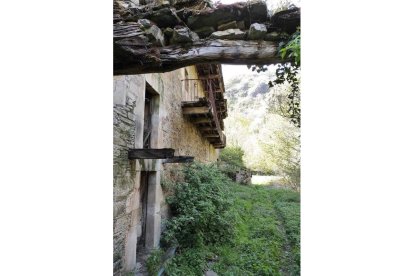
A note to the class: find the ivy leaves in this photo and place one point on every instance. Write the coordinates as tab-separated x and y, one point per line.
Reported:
288	72
291	48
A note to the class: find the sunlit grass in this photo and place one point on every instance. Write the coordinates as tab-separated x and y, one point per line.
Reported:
265	179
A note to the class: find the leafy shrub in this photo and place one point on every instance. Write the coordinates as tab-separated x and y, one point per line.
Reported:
192	261
232	156
199	206
231	161
154	262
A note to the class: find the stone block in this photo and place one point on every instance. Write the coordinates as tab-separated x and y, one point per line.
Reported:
119	91
257	31
226	26
241	25
144	24
119	209
205	31
168	32
121	224
231	34
131	248
257	11
273	36
155	35
132	202
164	17
181	35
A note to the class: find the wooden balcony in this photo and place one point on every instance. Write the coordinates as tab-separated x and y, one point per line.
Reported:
203	103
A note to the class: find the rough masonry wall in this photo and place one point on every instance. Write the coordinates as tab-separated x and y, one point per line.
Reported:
175	132
126	91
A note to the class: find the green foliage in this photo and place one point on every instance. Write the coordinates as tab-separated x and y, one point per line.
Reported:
288	206
281	149
233	155
199	206
190	261
154	262
290	109
291	48
256	248
266	223
231	161
288	72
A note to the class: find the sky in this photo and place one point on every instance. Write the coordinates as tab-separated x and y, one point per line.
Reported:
230	71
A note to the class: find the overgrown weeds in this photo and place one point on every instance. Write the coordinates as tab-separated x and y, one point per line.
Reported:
229	228
200	208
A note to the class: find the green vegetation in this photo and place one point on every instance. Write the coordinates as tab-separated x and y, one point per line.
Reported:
231	161
261	242
270	142
233	156
230	228
199	206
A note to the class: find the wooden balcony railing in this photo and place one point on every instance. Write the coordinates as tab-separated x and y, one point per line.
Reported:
199	102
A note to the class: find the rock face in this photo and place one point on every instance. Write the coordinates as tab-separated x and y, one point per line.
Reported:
226	26
244	177
257	11
205	31
273	36
286	21
164	17
240	25
231	34
257	31
183	35
153	33
254	11
144	23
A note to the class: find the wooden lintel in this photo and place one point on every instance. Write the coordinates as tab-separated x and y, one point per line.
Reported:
196	110
179	159
150	153
201	120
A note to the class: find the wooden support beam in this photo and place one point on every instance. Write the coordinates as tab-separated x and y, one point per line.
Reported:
207	128
201	120
150	153
132	60
196	110
211	136
179	159
209	77
138	52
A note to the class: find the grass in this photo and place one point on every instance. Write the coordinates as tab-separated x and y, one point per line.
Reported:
266	239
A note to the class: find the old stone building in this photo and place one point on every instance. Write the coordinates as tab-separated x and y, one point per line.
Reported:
182	110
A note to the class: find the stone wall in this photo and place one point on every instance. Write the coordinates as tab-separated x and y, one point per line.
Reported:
172	131
127	89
